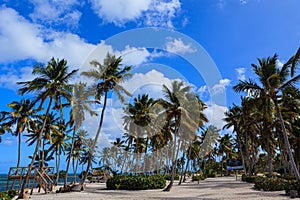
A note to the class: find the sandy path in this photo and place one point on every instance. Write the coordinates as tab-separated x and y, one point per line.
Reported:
209	189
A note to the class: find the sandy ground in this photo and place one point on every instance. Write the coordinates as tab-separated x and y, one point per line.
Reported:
211	188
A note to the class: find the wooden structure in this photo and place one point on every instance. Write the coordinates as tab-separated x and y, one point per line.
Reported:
41	176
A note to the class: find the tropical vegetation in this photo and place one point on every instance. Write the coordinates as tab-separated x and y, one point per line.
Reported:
164	138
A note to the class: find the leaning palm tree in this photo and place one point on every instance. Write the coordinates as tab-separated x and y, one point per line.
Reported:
52	83
272	81
107	77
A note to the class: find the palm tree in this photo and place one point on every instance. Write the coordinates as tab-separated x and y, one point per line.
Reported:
106	77
233	118
22	115
226	149
183	112
79	104
273	80
52	84
59	138
138	121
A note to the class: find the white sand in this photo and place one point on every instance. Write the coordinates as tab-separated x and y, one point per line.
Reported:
211	188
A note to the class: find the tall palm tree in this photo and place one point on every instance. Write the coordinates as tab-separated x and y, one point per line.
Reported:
183	112
272	81
22	116
226	149
138	121
52	83
233	118
107	77
79	105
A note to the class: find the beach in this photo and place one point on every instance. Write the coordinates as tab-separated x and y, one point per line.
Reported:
223	188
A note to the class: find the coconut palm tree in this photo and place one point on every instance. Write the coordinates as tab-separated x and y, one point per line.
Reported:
272	81
59	138
79	105
107	77
233	119
183	113
139	122
226	149
52	84
22	116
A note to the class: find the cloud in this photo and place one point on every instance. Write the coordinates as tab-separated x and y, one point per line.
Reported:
134	56
148	12
9	76
241	73
220	87
215	114
56	12
175	45
24	40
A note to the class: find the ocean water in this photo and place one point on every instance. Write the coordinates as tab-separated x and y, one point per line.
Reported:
3	181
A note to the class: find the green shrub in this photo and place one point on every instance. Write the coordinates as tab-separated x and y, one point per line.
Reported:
270	184
292	185
136	182
198	177
7	195
168	177
251	179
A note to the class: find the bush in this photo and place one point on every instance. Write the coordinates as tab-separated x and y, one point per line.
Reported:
7	195
197	177
251	179
168	177
270	184
292	185
136	182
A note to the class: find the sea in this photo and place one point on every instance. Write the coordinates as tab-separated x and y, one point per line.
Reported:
3	181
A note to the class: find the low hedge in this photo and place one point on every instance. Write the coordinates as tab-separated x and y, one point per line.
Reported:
292	185
8	195
270	184
248	178
136	182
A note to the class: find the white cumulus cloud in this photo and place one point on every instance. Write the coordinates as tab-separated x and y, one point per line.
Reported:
215	114
56	12
176	45
220	87
148	12
25	40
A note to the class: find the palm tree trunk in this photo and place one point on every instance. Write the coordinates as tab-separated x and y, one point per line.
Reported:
25	181
241	151
94	143
19	158
57	166
286	140
70	157
174	164
187	163
247	153
182	171
269	159
43	153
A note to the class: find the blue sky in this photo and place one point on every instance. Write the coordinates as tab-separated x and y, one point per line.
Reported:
233	33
